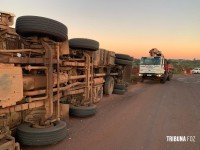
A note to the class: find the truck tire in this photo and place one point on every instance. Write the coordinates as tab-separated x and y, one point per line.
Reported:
108	85
27	135
163	80
120	86
123	62
118	91
127	71
85	44
82	111
131	59
169	76
123	56
27	26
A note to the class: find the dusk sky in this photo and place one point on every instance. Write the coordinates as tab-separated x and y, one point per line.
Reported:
124	26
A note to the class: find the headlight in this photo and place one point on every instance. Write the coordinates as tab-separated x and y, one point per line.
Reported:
159	75
140	75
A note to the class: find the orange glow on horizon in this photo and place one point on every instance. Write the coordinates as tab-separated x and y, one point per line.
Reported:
130	27
172	48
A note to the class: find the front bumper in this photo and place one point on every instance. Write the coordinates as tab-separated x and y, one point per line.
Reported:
151	75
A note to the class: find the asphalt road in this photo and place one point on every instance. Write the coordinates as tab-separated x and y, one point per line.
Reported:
140	120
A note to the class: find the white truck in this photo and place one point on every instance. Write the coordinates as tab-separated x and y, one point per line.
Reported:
155	67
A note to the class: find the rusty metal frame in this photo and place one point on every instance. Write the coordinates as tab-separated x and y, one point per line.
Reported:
48	96
58	83
49	73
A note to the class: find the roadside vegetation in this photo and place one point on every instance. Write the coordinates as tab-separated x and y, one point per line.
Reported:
182	64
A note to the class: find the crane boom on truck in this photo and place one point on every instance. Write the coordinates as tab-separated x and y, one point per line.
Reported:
155	67
155	52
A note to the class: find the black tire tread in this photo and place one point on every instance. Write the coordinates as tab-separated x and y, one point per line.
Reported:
82	111
118	91
123	62
124	56
40	26
84	44
38	137
120	86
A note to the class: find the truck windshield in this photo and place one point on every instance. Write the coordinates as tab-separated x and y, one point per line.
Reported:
150	61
